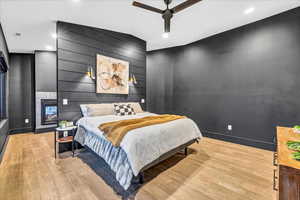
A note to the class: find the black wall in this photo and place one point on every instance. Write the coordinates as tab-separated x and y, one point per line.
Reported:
45	71
45	84
21	95
77	48
247	77
160	75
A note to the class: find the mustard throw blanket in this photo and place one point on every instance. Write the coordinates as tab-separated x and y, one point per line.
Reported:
116	131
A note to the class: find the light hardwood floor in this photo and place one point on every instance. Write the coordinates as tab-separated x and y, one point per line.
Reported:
214	170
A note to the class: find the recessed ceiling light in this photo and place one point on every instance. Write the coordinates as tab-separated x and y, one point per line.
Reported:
48	47
54	35
18	34
165	35
249	10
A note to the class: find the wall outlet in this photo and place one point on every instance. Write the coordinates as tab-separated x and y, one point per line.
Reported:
65	133
26	121
229	127
65	101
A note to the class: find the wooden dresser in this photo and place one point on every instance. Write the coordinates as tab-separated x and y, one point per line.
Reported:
287	175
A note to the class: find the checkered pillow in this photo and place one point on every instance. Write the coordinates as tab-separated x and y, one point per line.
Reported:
123	109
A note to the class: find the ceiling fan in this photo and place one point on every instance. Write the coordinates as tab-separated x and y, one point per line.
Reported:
167	14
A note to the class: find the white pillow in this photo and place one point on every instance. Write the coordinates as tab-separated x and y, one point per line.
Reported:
84	110
92	110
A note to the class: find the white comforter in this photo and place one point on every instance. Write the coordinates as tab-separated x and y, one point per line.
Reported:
144	145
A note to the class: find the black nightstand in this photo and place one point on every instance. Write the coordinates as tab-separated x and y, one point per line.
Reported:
58	140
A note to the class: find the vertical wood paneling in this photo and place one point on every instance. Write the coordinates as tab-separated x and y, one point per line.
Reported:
77	47
21	95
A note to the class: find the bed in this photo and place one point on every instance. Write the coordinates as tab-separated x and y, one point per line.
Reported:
140	148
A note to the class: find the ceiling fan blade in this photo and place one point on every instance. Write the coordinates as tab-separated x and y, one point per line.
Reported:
184	5
144	6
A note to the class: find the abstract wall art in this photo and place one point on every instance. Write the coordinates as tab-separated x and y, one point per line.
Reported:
112	75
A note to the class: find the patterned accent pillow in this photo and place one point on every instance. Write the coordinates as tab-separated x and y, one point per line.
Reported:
123	109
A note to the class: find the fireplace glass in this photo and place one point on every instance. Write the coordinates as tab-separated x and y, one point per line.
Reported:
49	111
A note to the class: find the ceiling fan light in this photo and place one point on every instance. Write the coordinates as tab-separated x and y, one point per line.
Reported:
165	35
249	10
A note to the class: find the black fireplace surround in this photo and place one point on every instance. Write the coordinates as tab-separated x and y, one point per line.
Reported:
48	111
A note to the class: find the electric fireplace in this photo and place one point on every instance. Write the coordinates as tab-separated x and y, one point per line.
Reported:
49	111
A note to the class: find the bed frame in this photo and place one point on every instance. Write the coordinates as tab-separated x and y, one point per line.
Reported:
165	156
183	147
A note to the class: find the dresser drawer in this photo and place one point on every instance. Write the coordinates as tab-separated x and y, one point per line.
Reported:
289	183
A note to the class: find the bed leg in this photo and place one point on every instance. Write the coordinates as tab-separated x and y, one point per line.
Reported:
185	151
141	177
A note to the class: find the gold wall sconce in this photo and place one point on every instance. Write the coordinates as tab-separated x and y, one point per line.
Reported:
132	79
90	73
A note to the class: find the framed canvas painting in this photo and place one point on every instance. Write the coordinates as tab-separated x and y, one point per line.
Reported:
112	75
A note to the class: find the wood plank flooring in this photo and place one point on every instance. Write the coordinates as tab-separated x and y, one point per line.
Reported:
213	170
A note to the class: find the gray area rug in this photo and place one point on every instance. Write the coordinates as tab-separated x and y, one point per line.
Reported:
102	169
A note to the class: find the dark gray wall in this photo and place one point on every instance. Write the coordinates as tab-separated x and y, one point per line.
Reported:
45	71
46	84
4	124
247	77
160	67
21	95
77	48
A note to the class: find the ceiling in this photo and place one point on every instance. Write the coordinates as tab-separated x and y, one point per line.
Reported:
35	19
